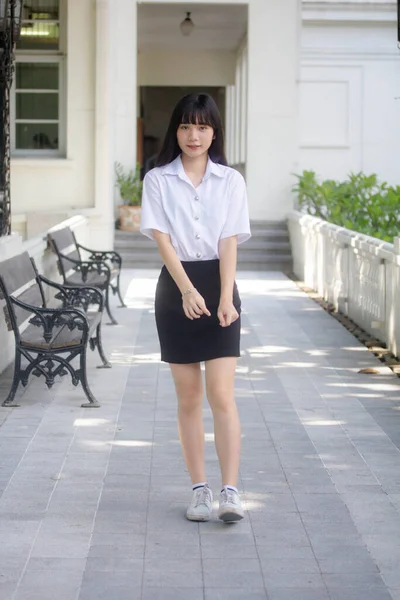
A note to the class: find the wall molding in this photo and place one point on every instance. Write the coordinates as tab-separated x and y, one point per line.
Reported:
339	12
348	54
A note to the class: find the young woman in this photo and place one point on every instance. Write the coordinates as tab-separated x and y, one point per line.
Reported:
195	207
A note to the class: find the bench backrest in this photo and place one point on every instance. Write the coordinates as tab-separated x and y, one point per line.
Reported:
18	279
63	242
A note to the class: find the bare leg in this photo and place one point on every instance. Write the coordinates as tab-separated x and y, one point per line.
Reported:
189	390
220	383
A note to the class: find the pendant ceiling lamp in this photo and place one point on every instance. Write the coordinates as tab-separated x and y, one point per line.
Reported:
187	25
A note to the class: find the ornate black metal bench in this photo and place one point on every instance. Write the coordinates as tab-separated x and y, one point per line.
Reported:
49	338
102	269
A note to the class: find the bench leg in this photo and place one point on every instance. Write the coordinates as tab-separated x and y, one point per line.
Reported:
123	305
113	321
9	401
99	344
92	400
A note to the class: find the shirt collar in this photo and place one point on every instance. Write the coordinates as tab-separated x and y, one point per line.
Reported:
176	168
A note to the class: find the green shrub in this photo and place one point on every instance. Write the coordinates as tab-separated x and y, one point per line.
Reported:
361	203
129	184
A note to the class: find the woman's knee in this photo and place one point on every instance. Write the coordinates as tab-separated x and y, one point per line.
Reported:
190	398
221	398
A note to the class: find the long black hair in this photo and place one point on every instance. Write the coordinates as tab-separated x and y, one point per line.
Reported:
195	109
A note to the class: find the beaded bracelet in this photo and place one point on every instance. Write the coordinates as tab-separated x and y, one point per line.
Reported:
188	291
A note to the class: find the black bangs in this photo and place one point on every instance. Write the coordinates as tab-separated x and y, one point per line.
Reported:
194	109
198	115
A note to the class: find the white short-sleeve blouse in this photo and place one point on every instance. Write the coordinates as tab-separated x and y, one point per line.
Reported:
195	218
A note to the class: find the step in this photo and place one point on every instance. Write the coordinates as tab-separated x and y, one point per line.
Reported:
265	245
127	237
262	257
250	246
274	239
268	249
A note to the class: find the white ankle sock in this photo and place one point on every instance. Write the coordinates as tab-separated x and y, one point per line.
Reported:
199	485
230	487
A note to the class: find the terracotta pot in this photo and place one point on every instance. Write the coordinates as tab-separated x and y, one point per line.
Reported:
129	217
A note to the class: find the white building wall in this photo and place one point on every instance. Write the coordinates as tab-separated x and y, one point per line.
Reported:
349	114
161	67
60	185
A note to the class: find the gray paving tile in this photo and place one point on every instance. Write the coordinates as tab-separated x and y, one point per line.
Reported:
241	573
172	593
123	585
49	584
293	580
298	594
353	580
181	573
115	564
234	594
288	565
360	593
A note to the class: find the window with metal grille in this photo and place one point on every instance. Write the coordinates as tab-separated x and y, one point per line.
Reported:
38	91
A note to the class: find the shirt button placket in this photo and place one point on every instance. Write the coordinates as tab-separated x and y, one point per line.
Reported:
197	217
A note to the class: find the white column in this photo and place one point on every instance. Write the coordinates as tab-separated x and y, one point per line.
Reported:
273	59
229	126
243	108
125	81
238	129
115	108
102	226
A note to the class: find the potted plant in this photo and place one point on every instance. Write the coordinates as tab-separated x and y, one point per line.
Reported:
130	189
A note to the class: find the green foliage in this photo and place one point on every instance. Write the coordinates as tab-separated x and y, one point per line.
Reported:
129	184
361	203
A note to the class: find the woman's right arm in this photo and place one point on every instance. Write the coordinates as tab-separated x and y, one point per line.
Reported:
193	303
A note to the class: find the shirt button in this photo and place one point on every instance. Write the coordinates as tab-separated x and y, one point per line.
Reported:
198	255
196	198
196	217
197	236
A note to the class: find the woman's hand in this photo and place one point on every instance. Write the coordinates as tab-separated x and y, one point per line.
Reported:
227	313
194	305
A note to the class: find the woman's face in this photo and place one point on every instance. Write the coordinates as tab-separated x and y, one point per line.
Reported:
194	140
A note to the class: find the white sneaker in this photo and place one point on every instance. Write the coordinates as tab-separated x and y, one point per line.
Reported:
230	506
201	505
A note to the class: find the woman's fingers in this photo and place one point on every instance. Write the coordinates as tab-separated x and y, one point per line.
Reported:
204	308
227	318
187	314
195	306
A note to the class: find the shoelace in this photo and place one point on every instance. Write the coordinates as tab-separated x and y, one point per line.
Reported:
203	495
228	496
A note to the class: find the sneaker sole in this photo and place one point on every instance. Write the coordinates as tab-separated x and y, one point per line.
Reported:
231	517
199	519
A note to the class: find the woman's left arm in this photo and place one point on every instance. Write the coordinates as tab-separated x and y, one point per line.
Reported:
227	313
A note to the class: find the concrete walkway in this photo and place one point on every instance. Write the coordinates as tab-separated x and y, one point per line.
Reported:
93	501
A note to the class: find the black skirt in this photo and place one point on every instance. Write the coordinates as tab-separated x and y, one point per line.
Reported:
185	341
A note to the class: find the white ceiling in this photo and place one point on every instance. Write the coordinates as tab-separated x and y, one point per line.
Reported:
217	27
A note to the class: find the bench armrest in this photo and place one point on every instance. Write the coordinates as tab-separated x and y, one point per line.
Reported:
101	255
88	266
49	318
73	296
